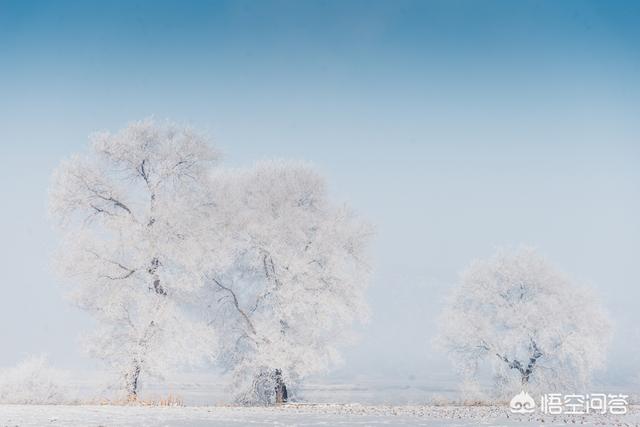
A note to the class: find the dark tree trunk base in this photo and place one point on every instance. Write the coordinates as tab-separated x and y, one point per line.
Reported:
281	388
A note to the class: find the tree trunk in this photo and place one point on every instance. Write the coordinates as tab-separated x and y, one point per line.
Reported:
131	379
281	388
153	271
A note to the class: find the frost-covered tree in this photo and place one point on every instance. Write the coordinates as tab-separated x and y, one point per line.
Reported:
527	322
133	213
294	282
33	381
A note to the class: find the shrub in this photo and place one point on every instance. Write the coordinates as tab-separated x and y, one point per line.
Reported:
32	381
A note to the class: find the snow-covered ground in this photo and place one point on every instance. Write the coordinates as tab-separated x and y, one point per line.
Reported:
374	403
310	415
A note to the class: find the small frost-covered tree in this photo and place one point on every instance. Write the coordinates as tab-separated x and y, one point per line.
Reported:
132	211
33	381
295	280
528	322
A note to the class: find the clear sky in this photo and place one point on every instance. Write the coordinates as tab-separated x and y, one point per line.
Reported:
453	126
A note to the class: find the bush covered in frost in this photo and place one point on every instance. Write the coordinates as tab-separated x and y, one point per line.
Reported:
32	381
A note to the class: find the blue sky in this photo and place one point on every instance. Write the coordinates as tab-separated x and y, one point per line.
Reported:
454	126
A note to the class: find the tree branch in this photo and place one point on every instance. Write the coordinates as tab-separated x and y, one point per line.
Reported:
525	372
129	271
236	304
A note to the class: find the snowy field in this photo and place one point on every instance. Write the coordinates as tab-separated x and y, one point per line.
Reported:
363	401
381	403
310	415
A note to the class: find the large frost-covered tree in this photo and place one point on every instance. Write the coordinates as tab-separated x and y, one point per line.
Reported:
133	214
295	278
528	322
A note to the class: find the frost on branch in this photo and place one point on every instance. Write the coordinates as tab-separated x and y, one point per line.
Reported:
294	284
527	322
33	381
132	213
